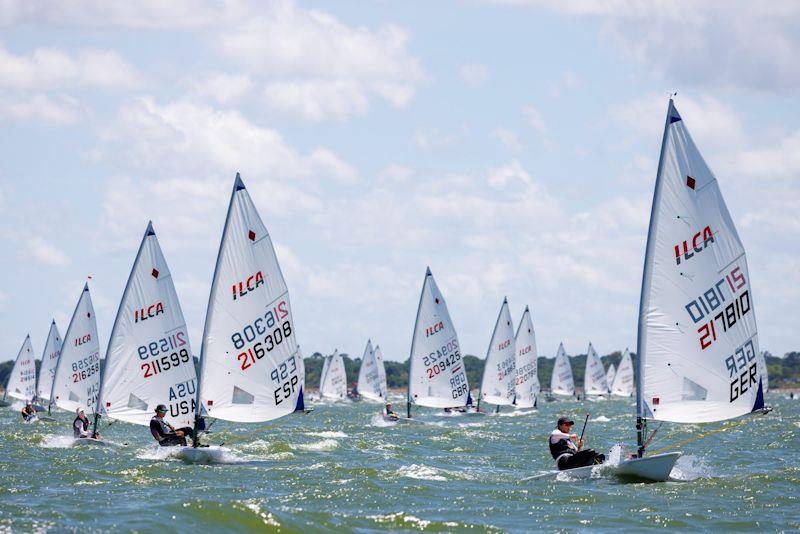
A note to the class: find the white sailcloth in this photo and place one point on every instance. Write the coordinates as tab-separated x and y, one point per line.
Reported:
437	377
249	358
610	375
149	360
372	375
77	379
698	341
595	375
22	380
47	371
326	363
499	371
334	385
561	382
526	387
622	386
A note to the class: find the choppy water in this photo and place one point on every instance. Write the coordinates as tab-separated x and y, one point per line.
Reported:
342	468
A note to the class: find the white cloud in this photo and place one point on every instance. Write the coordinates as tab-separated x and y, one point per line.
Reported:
40	251
50	68
734	44
508	138
567	82
473	73
56	109
435	139
221	87
534	118
318	100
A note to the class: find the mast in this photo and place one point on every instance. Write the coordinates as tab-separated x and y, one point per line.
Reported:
414	342
238	185
641	421
148	232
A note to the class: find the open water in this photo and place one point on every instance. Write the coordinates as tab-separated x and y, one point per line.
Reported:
341	468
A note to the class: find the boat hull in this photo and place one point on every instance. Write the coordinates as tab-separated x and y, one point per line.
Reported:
654	468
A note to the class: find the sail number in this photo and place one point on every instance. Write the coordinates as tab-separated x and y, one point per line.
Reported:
706	306
286	376
85	367
742	369
165	363
269	326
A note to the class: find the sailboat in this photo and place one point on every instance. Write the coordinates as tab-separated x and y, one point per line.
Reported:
47	370
623	385
436	377
610	373
594	378
526	386
372	375
249	368
76	382
499	371
148	360
333	381
22	380
561	381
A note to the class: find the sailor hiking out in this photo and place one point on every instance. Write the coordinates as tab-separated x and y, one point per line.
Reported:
80	426
565	452
28	412
164	433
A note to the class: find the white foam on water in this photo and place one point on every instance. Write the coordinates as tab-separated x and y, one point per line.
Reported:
328	434
57	442
614	455
209	455
600	419
517	413
470	425
420	472
690	467
323	445
378	420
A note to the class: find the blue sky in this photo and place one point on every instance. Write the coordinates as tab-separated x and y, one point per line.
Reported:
510	145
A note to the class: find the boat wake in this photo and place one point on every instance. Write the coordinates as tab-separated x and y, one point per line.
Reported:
421	472
600	419
689	468
318	446
328	434
57	442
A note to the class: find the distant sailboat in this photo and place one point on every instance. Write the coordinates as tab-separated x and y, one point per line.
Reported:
148	360
372	375
436	376
526	387
623	386
77	378
594	378
499	370
561	381
47	370
610	372
333	382
22	380
249	368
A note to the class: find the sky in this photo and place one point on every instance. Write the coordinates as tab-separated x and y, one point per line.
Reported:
510	145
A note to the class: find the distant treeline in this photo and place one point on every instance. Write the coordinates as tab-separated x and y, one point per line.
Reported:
783	372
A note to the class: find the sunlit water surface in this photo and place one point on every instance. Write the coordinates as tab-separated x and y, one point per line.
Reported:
342	468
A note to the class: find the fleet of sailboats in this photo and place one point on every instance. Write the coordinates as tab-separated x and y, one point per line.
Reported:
697	355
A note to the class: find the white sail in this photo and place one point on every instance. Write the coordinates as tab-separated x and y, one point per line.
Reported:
22	380
499	371
526	386
561	382
77	379
334	385
249	368
622	386
698	342
47	371
301	373
594	378
372	375
610	372
437	377
149	360
762	363
326	363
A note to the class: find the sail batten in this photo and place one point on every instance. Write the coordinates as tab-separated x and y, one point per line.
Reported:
697	348
437	376
499	371
249	370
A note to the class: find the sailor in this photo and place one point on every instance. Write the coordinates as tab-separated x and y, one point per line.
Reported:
565	452
164	433
388	413
28	412
80	425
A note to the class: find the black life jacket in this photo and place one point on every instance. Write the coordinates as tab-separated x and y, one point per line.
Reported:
84	425
559	448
